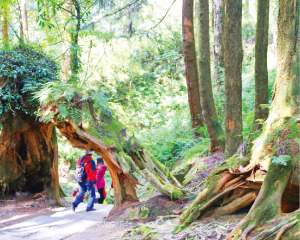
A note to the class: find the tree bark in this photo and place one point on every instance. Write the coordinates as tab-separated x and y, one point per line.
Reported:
5	31
74	58
24	19
207	101
66	45
233	77
28	153
261	68
272	186
190	61
218	77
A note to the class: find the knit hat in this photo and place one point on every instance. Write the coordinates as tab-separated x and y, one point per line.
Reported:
89	152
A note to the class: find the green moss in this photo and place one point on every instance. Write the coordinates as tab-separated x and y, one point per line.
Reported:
191	174
184	167
175	193
131	215
143	230
123	161
144	212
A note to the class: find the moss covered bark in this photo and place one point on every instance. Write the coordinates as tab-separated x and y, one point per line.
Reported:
190	61
121	151
233	76
261	68
269	180
214	128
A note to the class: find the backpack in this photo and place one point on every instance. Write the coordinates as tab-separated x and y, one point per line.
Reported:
80	174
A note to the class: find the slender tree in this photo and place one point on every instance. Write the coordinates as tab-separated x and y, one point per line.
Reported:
24	19
214	128
267	178
218	27
5	32
261	68
190	61
233	76
270	203
74	60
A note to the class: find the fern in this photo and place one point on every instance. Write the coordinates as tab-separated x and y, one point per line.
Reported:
281	159
63	109
75	114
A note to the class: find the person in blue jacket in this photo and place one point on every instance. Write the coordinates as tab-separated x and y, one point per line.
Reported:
88	184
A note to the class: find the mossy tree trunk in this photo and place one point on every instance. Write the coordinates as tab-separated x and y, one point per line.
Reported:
218	76
5	31
261	68
190	61
213	126
28	156
74	58
233	76
24	19
122	153
270	185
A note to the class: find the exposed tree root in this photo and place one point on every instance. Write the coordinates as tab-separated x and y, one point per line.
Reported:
268	203
247	230
227	193
283	229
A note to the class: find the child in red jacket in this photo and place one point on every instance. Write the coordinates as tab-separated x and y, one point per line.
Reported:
101	168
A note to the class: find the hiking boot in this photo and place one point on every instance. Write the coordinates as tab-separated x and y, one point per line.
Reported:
73	207
89	210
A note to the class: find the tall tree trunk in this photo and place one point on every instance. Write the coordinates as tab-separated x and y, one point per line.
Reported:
269	185
207	101
286	101
28	153
218	26
24	19
74	42
190	61
233	76
274	23
66	45
5	31
261	68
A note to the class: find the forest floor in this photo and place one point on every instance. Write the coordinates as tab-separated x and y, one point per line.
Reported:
16	211
22	208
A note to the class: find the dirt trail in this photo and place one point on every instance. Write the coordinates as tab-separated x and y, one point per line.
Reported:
65	224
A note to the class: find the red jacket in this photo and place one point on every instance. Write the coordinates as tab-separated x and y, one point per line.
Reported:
100	176
90	168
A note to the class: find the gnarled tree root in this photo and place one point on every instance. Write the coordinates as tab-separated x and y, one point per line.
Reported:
228	192
267	206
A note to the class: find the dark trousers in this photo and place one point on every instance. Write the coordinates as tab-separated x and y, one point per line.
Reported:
101	192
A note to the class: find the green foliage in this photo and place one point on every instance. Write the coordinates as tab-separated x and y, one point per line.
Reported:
23	71
281	159
173	141
248	31
69	99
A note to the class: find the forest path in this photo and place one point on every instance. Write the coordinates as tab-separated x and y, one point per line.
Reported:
65	224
